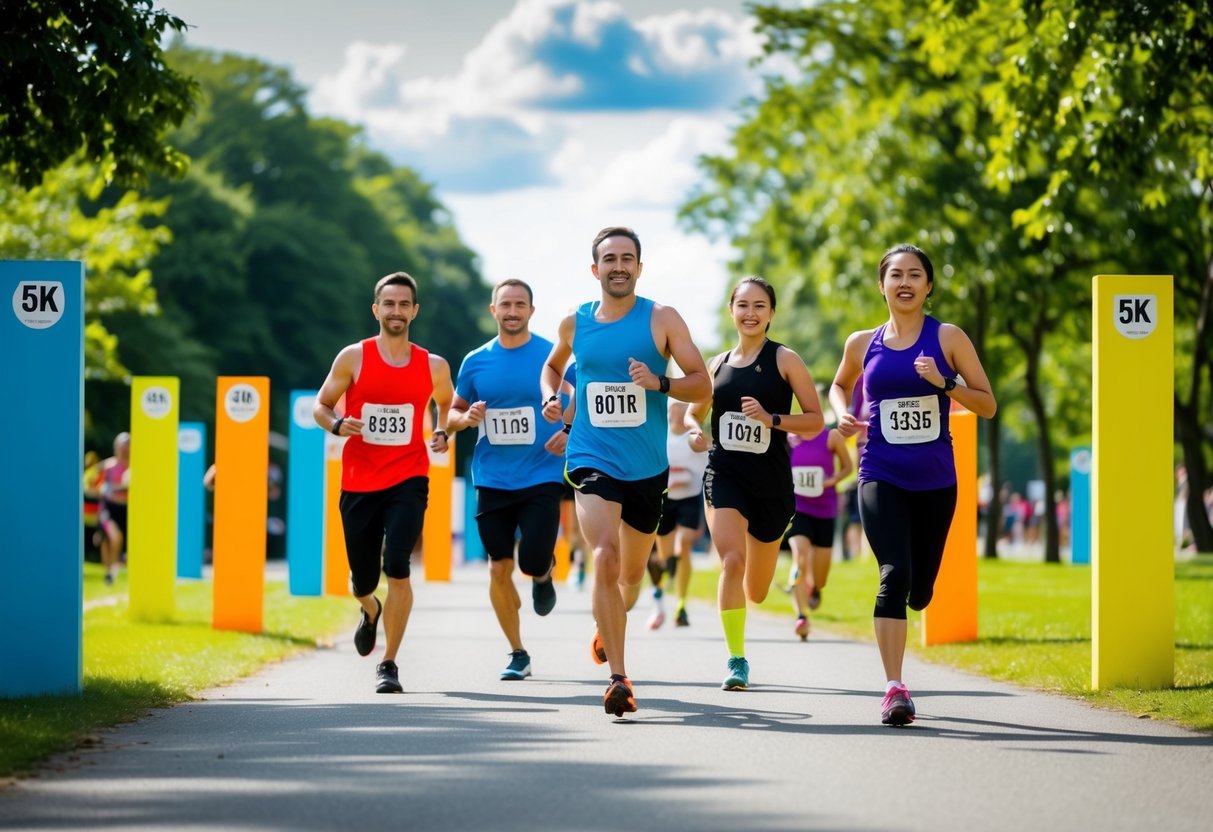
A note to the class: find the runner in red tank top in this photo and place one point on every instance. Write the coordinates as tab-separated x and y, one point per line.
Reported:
388	384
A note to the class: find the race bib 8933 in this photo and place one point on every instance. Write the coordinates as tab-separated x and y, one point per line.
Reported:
387	424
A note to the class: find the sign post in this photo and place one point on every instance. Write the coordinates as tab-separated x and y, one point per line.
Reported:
1133	563
305	498
42	491
152	516
191	498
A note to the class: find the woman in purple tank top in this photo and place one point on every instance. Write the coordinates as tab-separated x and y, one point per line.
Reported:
911	366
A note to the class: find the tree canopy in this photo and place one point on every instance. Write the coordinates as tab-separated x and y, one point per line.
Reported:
88	78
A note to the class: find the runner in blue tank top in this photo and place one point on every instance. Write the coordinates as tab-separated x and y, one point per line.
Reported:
518	462
616	455
748	483
911	366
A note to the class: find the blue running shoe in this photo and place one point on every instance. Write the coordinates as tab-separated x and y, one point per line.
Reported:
739	674
518	668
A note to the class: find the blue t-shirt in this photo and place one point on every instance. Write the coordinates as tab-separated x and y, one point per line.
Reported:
509	450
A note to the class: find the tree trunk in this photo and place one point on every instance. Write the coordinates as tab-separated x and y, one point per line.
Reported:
1188	424
1044	450
995	508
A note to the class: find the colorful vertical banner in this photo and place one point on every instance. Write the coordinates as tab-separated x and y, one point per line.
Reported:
336	563
952	614
305	498
41	583
151	524
242	433
1080	505
1132	486
436	534
191	498
473	547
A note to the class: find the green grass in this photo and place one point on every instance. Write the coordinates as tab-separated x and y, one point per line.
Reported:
1034	629
130	667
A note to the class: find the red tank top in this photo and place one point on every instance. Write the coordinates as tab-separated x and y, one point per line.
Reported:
392	402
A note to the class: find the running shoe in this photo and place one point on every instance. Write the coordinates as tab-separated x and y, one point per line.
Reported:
656	620
897	708
597	651
518	668
619	699
739	674
364	636
543	596
681	620
815	599
802	628
387	678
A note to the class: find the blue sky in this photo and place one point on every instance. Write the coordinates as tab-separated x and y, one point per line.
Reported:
539	121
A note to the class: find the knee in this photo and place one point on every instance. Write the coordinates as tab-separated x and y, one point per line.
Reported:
894	590
919	598
501	571
732	564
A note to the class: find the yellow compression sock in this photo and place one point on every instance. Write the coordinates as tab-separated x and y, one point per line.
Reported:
733	622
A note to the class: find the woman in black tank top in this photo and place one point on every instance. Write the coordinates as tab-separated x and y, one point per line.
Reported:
748	483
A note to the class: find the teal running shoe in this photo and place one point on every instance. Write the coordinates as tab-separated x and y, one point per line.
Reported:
739	674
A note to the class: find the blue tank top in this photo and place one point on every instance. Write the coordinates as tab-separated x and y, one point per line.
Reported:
813	464
619	428
509	450
909	441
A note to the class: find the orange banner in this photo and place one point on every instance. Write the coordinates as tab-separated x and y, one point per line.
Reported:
242	423
437	534
336	563
952	614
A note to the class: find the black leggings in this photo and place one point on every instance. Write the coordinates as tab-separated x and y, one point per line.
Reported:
907	531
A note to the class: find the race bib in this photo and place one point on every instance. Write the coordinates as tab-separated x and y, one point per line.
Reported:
910	421
509	426
615	405
739	432
808	480
387	424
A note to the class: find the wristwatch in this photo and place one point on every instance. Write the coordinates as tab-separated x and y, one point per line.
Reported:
663	384
775	420
949	384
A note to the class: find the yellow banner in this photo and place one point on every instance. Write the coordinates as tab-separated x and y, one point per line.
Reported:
152	498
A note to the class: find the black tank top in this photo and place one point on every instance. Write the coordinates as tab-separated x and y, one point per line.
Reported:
743	449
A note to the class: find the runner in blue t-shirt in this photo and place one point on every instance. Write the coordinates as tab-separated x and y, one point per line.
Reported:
518	463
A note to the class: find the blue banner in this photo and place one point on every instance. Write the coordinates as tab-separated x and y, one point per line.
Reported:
191	498
42	490
305	498
1080	505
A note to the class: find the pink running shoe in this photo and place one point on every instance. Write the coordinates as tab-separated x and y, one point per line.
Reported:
897	708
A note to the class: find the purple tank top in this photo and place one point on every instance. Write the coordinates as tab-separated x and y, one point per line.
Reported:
812	464
909	442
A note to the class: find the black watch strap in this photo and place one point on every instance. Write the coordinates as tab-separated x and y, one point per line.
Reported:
663	384
949	384
775	420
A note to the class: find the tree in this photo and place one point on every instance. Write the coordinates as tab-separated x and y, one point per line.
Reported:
1104	92
88	77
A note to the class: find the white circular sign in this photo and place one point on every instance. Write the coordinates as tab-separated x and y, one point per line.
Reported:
303	412
38	304
189	440
1135	316
1080	460
156	402
242	402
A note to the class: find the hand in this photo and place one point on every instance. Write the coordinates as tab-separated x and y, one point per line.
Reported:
848	425
438	442
642	376
753	410
474	415
924	365
552	410
350	427
697	441
556	445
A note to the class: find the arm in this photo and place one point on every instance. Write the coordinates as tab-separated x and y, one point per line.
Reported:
464	415
694	385
809	422
975	394
339	379
440	374
552	376
697	412
842	459
844	381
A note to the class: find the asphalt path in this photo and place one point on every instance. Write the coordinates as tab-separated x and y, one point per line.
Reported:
308	745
